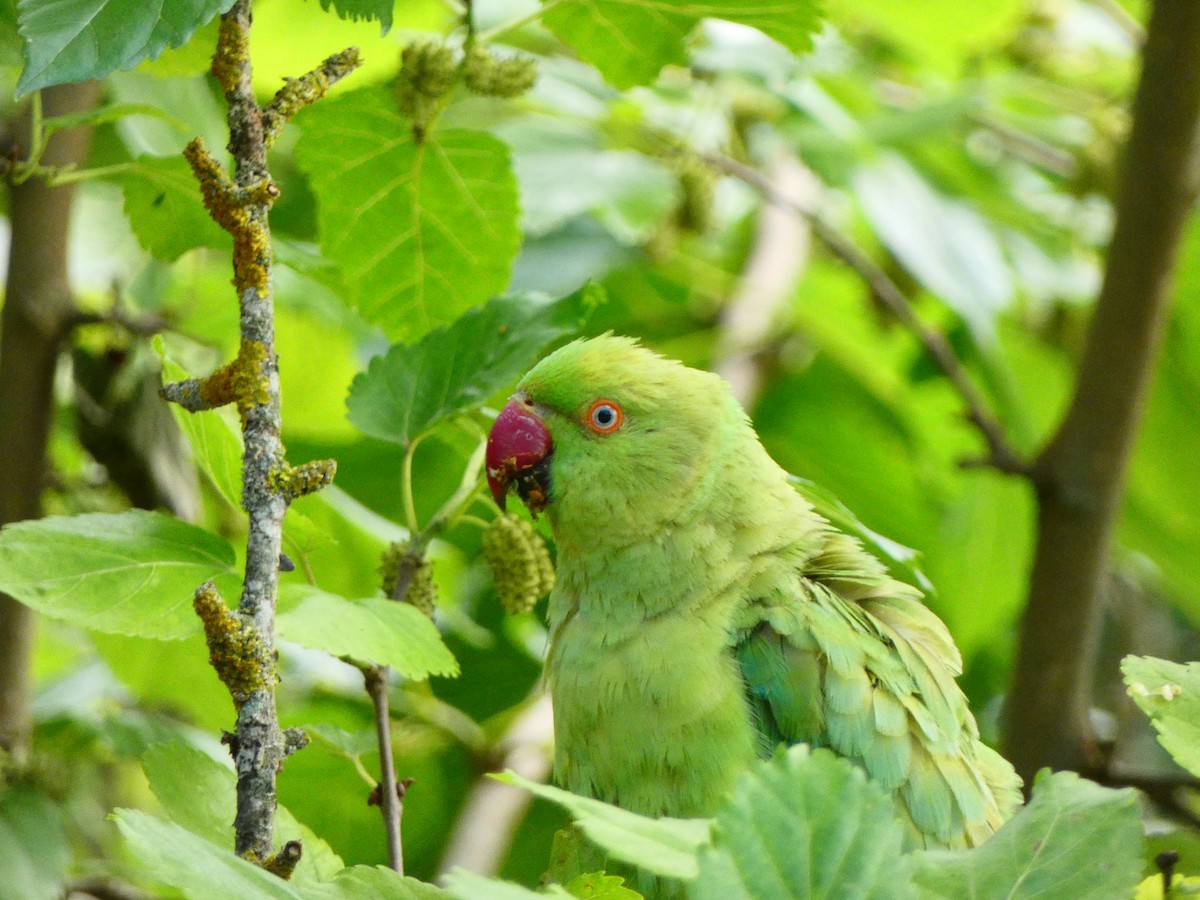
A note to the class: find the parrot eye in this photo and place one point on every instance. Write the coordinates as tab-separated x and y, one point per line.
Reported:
604	417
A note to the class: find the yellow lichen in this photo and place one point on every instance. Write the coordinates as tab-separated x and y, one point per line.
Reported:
305	90
307	478
241	381
232	55
235	650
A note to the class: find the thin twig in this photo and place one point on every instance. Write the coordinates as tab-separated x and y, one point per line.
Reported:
390	803
1001	454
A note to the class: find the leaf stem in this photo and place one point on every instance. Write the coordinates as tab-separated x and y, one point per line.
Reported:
390	803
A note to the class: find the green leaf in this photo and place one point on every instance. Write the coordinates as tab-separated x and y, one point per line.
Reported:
129	573
410	389
469	886
203	871
73	40
200	794
199	869
630	41
422	231
162	201
1169	693
945	243
34	853
1073	839
665	846
804	824
382	632
363	9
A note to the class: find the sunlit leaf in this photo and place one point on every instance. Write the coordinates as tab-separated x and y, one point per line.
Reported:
382	632
73	40
423	231
129	573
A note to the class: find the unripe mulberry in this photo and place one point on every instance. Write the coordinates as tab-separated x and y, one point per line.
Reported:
422	593
492	76
519	561
427	72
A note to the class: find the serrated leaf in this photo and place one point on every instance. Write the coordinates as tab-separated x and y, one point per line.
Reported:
806	825
630	41
422	231
382	632
665	846
411	388
129	573
373	883
1169	693
1073	839
363	9
34	853
73	40
200	794
162	202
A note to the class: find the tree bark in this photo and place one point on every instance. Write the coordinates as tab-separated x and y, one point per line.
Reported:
1080	473
33	324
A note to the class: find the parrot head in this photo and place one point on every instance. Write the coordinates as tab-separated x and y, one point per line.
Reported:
607	438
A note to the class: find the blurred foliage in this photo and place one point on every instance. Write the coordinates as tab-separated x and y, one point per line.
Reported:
969	148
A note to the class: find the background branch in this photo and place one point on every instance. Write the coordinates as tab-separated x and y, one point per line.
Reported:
1001	454
1080	473
37	305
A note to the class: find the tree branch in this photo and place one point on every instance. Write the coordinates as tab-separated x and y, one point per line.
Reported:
390	793
242	644
1001	454
37	304
1080	473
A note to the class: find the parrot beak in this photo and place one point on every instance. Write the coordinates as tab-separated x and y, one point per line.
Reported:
518	452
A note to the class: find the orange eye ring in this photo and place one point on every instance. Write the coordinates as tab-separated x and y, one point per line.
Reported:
604	416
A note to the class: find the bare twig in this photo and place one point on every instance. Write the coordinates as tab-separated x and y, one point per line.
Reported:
1001	454
391	802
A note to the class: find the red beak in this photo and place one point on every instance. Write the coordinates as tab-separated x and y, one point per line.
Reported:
518	451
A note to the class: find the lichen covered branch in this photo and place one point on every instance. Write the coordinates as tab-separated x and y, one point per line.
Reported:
242	642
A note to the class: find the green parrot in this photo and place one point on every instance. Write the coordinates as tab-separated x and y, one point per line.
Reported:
704	613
